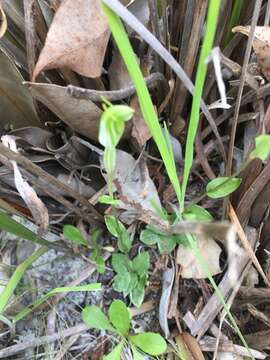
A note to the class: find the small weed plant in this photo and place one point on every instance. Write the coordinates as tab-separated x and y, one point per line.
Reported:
217	188
118	323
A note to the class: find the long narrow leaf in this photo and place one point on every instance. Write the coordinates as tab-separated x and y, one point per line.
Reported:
16	277
145	101
211	25
13	227
26	311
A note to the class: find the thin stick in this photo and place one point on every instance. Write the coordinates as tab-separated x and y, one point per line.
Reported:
246	244
112	95
15	349
254	22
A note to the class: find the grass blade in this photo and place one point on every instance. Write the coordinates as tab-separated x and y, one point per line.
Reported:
16	277
27	310
234	19
211	25
13	227
145	101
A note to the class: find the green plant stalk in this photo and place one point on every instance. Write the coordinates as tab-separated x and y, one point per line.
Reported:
145	101
27	310
204	266
151	120
234	20
212	17
16	277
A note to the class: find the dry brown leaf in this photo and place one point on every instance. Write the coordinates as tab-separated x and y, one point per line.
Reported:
28	194
191	269
3	22
189	347
164	303
16	103
117	73
139	130
140	9
132	180
243	238
261	46
77	39
81	115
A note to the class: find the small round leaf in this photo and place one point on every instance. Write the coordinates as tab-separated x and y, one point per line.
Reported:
148	237
73	234
115	354
222	186
196	212
119	316
151	343
262	147
95	318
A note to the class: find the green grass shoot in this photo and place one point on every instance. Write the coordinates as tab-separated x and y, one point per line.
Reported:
152	122
16	277
207	45
145	101
234	19
27	310
8	224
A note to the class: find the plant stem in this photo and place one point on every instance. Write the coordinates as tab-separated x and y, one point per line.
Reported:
211	25
146	105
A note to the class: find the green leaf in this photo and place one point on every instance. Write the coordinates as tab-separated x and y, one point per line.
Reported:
100	264
115	354
73	234
119	316
148	237
13	282
114	226
222	186
151	343
137	295
182	239
262	147
136	354
109	200
66	289
120	263
134	281
141	263
8	224
166	244
117	229
95	318
124	241
121	283
195	212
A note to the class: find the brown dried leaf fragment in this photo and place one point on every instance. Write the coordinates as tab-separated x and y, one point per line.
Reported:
189	346
261	46
191	269
81	115
77	39
28	194
139	130
3	22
